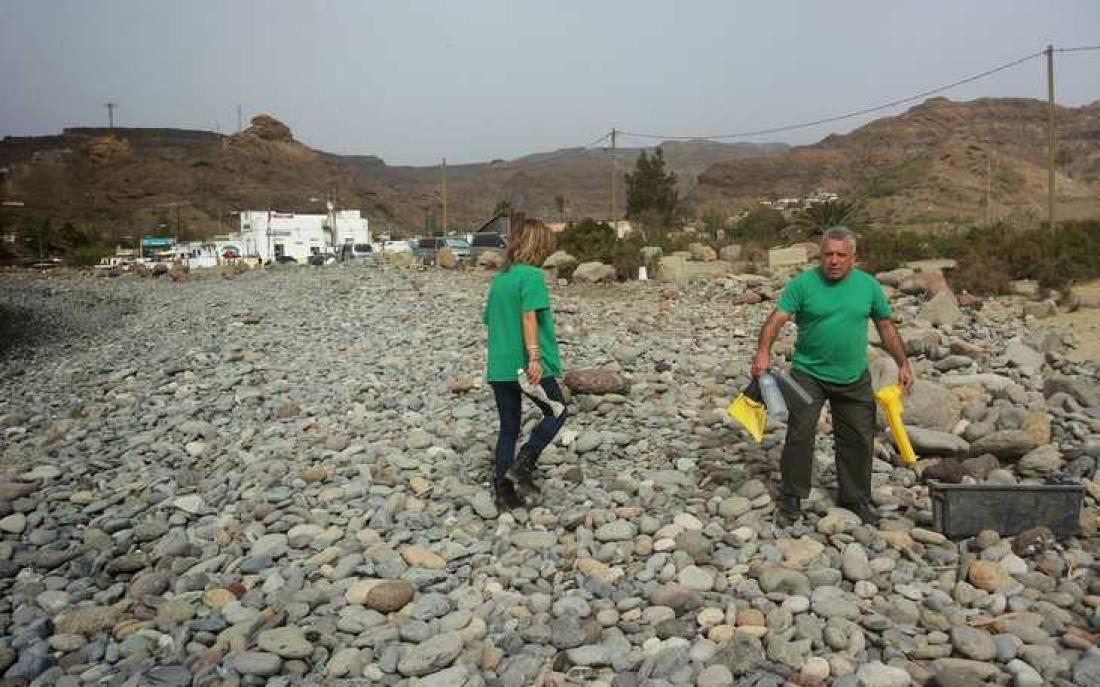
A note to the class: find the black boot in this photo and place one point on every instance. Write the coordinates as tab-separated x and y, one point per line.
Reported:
864	510
524	471
790	510
505	496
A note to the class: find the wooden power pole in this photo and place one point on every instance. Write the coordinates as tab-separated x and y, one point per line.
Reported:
1050	145
443	170
614	169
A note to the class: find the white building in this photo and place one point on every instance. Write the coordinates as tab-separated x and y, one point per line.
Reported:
268	234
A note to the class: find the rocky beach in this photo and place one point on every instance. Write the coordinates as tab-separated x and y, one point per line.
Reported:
280	477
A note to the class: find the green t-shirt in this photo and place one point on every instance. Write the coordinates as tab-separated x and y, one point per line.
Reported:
832	322
517	290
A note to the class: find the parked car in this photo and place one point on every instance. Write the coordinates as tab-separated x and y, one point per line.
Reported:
396	247
286	260
485	242
322	259
427	249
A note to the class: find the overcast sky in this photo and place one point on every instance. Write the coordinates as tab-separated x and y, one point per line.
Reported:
473	80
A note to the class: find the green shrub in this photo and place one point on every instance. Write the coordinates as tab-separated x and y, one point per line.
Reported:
588	240
87	256
627	258
990	257
881	250
764	225
676	241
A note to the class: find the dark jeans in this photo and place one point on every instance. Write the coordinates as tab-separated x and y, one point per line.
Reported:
509	406
853	408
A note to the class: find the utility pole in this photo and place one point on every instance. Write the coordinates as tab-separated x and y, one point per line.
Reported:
238	119
110	114
988	186
1050	146
444	172
614	169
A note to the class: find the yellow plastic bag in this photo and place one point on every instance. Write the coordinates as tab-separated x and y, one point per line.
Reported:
750	414
889	397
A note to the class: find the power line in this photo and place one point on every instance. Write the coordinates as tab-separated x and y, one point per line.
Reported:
558	155
1080	49
857	113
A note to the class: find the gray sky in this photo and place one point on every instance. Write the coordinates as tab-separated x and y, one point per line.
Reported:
473	80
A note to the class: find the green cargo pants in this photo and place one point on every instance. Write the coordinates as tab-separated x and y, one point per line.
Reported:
853	408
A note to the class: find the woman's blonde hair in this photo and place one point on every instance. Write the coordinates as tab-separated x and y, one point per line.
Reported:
531	245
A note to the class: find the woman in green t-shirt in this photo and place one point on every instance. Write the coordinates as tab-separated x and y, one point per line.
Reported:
522	341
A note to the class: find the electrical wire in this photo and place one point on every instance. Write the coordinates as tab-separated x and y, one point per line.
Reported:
849	115
555	156
794	127
1080	49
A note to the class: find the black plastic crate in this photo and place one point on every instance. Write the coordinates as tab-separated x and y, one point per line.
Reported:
963	510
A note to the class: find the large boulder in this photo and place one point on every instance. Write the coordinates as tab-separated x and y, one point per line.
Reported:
672	268
1040	461
559	259
269	129
793	256
1029	288
1085	295
894	277
399	259
884	371
1025	358
930	442
730	253
931	406
491	259
179	272
1006	444
593	273
930	283
941	309
702	252
1084	391
446	259
595	381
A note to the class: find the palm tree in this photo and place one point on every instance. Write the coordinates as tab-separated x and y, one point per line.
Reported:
818	217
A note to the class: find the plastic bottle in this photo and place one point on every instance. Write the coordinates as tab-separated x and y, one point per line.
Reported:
792	385
773	397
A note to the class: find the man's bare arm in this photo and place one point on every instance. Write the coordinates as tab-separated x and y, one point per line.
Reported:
768	334
891	341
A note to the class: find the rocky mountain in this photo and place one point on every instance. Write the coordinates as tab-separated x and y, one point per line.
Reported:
124	181
934	165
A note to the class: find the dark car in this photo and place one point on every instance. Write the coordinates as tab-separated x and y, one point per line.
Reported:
427	249
487	241
286	260
322	259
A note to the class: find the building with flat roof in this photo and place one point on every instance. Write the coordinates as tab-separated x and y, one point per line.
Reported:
268	234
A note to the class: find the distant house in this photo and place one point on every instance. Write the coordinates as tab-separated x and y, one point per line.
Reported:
497	224
269	235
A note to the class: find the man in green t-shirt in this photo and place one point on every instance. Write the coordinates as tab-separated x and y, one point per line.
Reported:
831	305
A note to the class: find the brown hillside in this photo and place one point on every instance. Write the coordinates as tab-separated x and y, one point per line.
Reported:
933	165
127	181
